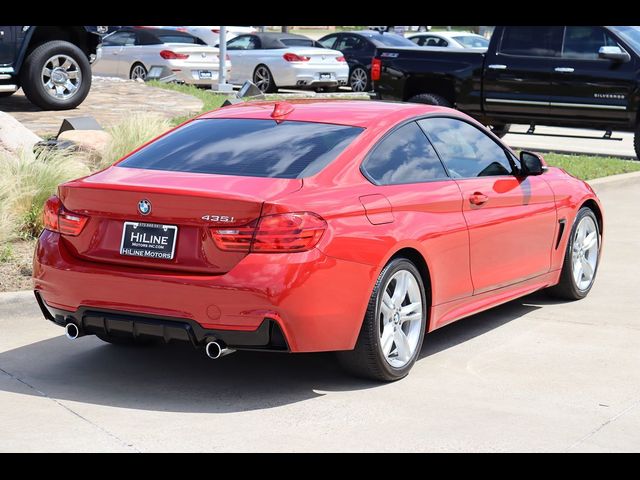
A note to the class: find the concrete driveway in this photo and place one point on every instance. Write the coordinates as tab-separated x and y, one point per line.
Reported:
532	375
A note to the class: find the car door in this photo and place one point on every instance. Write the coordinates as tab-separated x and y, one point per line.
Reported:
7	44
519	74
113	54
423	200
356	50
588	86
241	51
511	219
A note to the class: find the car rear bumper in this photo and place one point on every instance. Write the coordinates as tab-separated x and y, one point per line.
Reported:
311	75
318	302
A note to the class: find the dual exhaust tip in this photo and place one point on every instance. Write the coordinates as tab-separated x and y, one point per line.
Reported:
213	349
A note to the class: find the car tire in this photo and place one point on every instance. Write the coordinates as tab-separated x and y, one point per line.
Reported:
359	80
263	79
569	288
373	356
430	99
6	94
500	129
636	142
127	341
75	69
138	70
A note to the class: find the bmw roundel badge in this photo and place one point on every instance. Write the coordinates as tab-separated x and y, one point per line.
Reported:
144	207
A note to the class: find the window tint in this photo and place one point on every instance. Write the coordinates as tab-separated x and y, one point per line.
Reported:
246	147
584	42
328	42
169	38
244	42
119	39
392	40
404	156
472	41
465	150
350	42
298	42
532	41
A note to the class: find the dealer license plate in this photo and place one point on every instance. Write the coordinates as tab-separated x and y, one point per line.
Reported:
205	74
148	240
325	76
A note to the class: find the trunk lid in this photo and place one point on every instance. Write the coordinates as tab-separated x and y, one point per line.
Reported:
193	202
318	56
197	53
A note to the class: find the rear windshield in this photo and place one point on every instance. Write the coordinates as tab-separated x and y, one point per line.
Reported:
393	40
169	38
472	41
246	147
298	42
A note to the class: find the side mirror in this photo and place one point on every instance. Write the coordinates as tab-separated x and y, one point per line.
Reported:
532	163
614	53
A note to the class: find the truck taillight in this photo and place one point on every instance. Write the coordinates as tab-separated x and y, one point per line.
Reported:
376	69
169	55
280	233
58	219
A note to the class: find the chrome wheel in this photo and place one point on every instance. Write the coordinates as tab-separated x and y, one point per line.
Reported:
138	72
358	80
584	255
61	77
400	318
262	78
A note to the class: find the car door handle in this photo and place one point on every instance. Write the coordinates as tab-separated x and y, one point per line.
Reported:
564	69
478	198
496	66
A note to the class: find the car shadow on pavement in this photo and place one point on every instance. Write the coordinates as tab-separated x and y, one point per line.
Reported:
17	103
176	378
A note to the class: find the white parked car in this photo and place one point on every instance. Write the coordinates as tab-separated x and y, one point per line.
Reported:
132	52
273	60
450	40
211	34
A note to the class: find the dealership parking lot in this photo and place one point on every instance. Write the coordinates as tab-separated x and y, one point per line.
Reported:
532	375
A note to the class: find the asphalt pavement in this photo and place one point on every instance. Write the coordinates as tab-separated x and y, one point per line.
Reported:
533	375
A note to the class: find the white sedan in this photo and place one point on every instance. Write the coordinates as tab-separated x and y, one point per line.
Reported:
272	60
450	40
132	52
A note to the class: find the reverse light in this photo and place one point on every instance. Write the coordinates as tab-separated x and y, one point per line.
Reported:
58	219
341	59
376	69
280	233
169	55
293	57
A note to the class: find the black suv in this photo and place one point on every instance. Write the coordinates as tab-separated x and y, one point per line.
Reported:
51	64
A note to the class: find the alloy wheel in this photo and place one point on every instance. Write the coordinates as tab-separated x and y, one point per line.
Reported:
358	80
400	318
138	72
262	78
584	255
61	77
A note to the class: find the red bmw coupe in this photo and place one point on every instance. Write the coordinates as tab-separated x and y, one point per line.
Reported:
353	226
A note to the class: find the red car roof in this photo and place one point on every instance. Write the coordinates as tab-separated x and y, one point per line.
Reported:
357	113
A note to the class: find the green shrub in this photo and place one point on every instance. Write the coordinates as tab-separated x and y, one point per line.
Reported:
27	181
129	135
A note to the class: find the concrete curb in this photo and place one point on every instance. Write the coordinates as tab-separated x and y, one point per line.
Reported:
623	177
11	297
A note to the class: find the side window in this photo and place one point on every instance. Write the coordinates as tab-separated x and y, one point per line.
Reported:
584	42
436	42
243	42
404	156
417	40
465	150
531	41
328	42
119	39
348	42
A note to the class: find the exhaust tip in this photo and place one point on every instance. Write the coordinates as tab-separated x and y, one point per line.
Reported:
71	331
213	350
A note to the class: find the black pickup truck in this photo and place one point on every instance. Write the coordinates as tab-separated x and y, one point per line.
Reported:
51	64
572	76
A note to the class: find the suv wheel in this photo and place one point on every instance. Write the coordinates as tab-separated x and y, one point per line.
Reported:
430	99
56	76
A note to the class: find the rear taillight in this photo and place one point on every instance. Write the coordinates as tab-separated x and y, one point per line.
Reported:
281	233
376	68
293	57
215	30
169	55
341	59
58	219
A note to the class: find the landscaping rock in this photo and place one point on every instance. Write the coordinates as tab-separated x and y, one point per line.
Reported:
14	136
92	141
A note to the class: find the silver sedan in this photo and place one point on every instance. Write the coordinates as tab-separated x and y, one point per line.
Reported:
273	60
132	52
